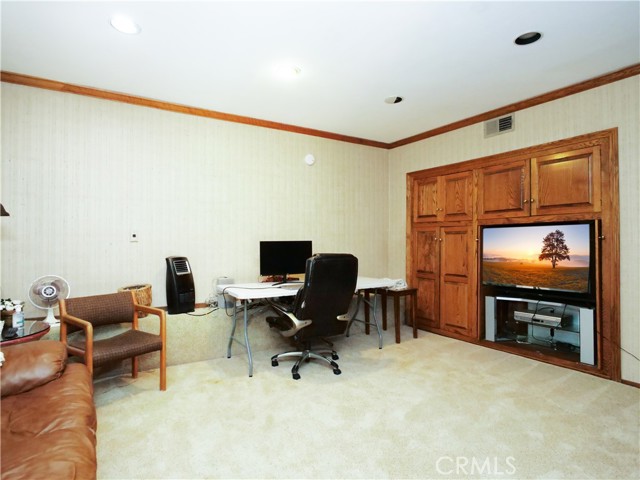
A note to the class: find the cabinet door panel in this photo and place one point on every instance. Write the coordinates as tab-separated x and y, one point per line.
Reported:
457	280
426	253
503	190
427	315
455	246
457	193
425	199
426	275
568	182
454	303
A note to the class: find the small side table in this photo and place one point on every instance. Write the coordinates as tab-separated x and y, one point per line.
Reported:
411	305
33	330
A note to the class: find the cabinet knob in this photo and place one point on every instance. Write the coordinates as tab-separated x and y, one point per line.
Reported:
532	200
526	201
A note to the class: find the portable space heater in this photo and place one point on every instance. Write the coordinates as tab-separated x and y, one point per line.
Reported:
181	294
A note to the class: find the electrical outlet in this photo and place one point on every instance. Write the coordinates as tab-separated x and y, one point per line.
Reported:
133	237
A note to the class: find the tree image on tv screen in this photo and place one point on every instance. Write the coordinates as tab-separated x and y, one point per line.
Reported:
554	248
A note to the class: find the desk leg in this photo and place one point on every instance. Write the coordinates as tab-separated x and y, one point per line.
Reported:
366	312
246	338
396	315
383	298
358	298
414	309
364	296
375	319
246	344
233	331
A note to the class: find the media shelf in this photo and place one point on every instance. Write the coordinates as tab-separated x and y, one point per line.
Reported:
542	328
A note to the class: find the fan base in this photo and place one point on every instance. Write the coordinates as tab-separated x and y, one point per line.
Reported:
51	319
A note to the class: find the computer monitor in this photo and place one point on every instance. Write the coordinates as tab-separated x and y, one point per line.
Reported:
281	258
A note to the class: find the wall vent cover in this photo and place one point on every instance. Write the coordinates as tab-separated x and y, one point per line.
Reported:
499	125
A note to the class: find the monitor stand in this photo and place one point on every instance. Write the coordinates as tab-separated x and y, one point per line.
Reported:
286	279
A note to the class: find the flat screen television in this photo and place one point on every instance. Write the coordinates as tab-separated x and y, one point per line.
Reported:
281	258
551	260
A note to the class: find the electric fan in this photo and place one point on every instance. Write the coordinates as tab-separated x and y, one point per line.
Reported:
45	292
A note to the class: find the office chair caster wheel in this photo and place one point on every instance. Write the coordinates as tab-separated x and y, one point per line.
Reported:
296	376
337	371
335	356
274	362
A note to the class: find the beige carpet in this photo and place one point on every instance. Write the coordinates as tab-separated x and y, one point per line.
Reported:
427	408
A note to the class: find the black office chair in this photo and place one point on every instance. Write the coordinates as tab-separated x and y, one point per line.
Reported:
319	309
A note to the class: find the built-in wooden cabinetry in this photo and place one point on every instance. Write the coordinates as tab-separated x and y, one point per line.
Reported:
559	183
444	198
569	180
444	277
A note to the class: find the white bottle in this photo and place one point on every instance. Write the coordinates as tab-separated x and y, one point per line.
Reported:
18	317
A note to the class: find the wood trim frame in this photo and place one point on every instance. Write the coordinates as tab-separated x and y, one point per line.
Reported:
30	81
36	82
608	304
531	102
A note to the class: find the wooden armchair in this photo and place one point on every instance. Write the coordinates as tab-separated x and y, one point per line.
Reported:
86	313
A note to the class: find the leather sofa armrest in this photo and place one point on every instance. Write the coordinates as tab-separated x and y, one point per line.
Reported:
30	365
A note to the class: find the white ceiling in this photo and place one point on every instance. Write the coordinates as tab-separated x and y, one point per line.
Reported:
449	60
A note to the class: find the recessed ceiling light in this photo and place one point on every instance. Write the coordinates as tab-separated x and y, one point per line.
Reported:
125	24
527	38
287	71
393	100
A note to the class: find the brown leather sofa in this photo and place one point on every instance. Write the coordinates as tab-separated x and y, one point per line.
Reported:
48	415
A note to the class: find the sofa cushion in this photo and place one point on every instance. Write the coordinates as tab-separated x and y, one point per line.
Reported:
50	432
30	365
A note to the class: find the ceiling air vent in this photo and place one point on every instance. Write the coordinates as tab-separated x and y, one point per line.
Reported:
499	125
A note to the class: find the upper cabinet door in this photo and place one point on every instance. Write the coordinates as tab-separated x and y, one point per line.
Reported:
503	190
443	198
455	202
425	199
567	182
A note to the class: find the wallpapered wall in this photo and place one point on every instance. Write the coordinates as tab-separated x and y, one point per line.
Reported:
613	105
80	174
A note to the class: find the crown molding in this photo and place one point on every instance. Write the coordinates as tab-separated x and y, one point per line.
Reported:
37	82
521	105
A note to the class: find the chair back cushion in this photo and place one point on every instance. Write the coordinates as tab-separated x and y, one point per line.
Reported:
102	309
329	285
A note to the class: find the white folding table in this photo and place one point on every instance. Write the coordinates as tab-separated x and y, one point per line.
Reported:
261	291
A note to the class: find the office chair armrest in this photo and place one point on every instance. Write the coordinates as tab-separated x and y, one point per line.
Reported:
296	325
279	307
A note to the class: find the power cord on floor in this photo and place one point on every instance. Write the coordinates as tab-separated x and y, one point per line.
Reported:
202	314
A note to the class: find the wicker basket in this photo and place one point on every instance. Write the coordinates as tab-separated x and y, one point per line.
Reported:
142	293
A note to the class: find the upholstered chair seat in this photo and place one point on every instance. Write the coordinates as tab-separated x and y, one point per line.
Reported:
82	318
